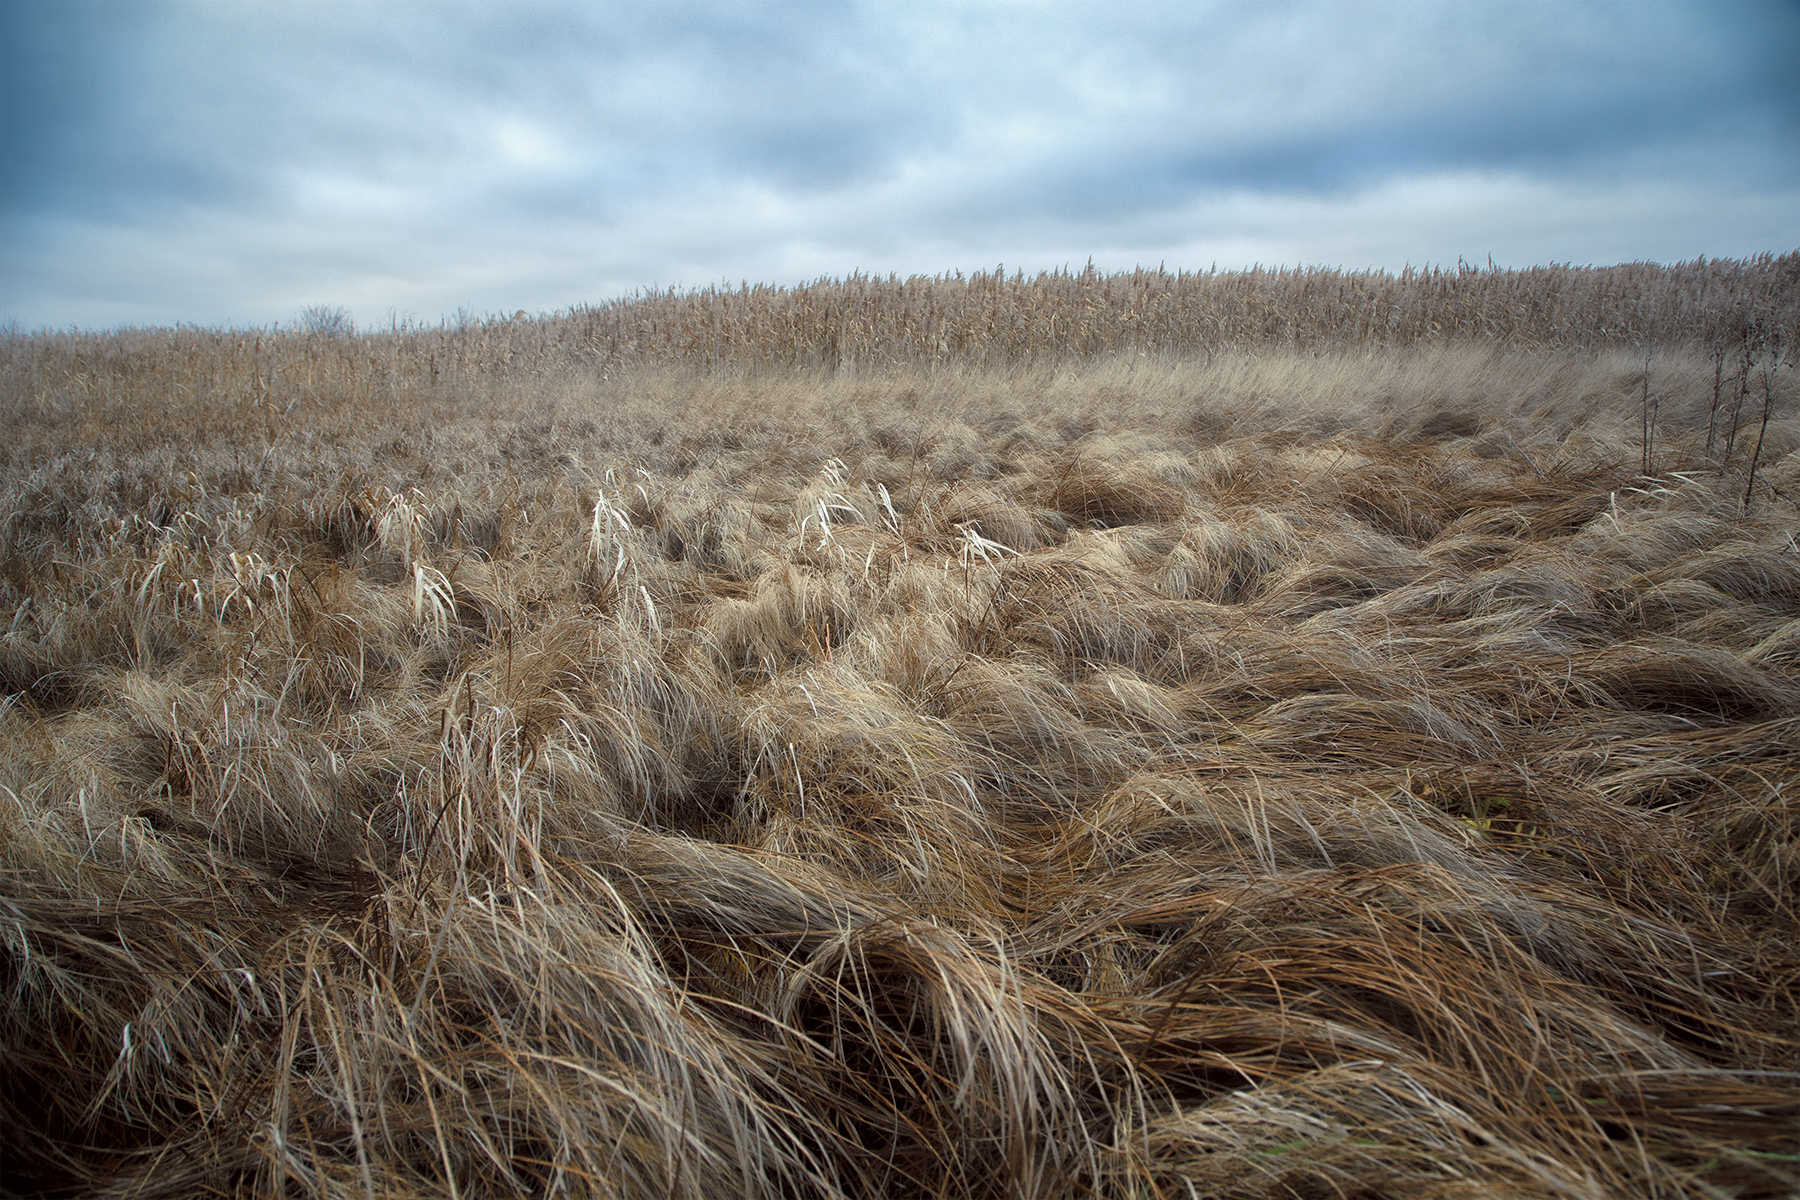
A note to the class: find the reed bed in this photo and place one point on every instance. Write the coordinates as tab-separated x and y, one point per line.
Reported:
1328	766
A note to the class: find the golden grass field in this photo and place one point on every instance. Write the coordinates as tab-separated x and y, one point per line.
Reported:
1254	735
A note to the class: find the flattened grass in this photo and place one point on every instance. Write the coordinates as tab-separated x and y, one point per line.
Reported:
1377	792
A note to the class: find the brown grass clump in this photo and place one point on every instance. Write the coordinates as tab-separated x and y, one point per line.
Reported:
1334	770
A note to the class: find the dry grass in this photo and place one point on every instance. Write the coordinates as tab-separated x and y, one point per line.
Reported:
1327	766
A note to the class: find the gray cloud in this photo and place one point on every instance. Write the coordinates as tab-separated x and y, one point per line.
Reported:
229	163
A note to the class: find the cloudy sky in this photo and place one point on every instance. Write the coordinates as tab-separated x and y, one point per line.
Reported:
233	163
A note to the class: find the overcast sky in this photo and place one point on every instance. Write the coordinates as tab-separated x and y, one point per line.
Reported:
233	163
